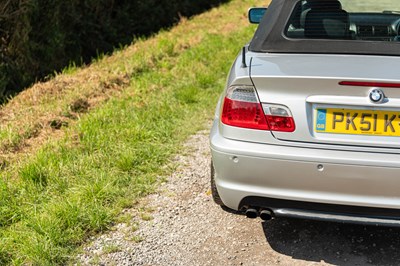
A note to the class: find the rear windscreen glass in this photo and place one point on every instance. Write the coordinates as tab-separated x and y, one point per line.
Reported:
365	20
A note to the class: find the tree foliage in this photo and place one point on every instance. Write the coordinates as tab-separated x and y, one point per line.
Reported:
38	37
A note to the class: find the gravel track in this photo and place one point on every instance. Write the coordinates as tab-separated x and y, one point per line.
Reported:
181	225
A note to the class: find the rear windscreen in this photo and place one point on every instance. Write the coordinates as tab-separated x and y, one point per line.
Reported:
366	20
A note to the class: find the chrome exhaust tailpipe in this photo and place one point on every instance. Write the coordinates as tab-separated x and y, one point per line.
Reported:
251	213
266	215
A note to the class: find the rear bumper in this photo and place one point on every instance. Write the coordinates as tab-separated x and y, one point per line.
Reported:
325	212
344	178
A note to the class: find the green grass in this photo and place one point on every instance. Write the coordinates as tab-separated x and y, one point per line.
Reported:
111	248
75	186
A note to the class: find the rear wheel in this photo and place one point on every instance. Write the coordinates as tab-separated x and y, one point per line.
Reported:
214	191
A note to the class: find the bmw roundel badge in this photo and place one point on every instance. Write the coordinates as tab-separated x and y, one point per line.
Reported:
376	96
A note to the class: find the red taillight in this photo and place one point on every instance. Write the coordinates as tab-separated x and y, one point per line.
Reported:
243	114
279	118
279	123
243	109
370	84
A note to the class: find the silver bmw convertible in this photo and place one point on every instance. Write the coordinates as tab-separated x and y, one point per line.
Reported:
308	125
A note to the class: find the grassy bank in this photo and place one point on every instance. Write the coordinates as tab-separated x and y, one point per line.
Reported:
82	147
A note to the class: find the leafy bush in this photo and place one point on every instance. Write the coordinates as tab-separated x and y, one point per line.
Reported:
38	37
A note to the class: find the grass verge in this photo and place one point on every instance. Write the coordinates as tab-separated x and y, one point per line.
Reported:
108	156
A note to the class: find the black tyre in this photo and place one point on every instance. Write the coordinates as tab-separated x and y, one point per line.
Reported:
214	190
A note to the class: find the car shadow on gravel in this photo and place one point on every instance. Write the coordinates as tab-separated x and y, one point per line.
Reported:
335	243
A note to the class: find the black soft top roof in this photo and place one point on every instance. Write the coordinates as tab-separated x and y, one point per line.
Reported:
269	37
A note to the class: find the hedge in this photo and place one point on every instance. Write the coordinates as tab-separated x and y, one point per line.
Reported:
38	37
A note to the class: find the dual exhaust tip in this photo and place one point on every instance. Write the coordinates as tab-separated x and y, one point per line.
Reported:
264	214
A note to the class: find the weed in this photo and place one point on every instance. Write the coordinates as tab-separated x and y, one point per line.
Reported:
146	216
134	227
95	260
125	218
111	248
136	239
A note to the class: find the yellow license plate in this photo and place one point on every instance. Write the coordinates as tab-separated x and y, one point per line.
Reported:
358	122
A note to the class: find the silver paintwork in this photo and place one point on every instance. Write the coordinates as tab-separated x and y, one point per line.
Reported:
304	165
284	172
302	81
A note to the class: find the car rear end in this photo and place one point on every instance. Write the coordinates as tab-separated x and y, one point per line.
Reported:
311	136
268	139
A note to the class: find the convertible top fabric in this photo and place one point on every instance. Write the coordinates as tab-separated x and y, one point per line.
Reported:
270	38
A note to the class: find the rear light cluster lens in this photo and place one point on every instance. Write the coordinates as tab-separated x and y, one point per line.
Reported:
279	118
243	109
